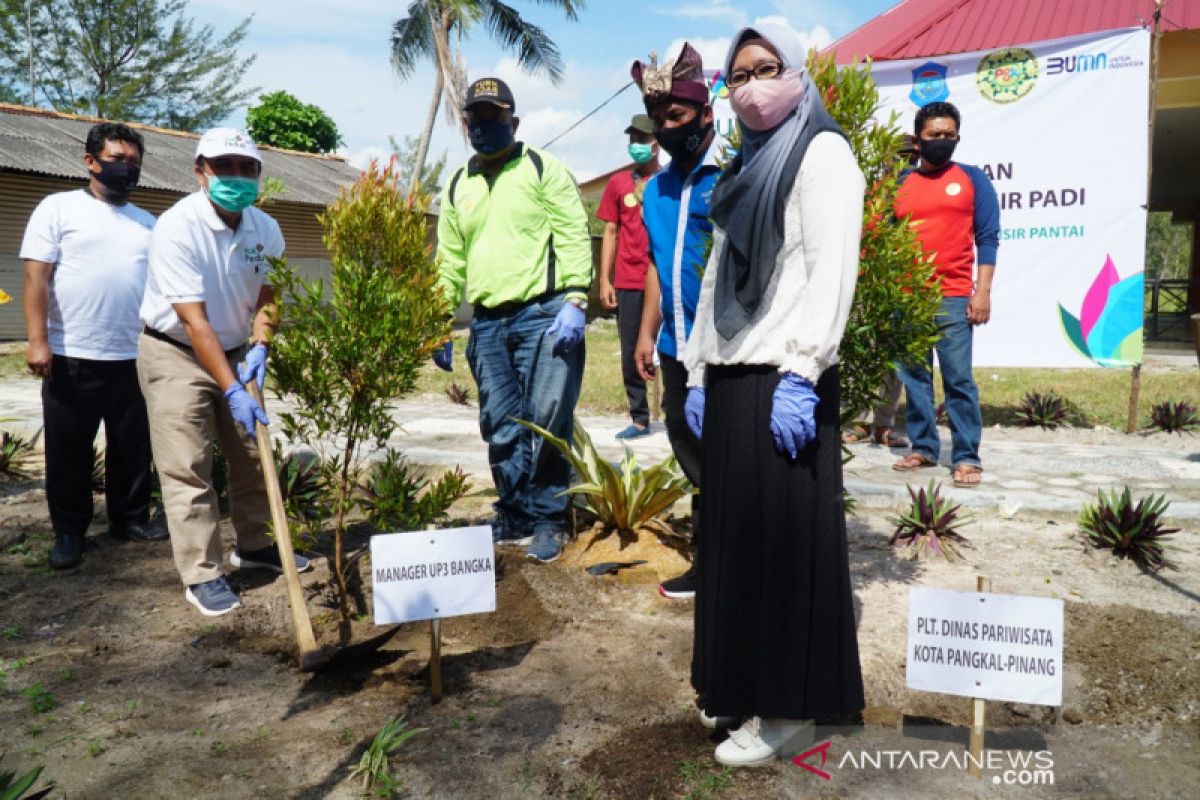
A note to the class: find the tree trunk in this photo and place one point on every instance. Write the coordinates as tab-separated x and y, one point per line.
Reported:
427	133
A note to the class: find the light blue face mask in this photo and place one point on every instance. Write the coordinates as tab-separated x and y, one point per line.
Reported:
641	153
232	194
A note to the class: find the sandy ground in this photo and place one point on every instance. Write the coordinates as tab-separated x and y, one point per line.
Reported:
577	686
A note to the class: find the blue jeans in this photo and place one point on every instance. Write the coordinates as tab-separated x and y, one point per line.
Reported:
519	377
962	396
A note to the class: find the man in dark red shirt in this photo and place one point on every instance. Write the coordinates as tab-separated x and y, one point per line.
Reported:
624	259
956	215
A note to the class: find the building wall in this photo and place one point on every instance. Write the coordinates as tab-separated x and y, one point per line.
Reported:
20	193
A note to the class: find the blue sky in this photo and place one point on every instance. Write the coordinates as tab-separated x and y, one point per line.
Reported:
336	55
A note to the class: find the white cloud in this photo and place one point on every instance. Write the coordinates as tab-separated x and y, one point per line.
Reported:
713	10
712	51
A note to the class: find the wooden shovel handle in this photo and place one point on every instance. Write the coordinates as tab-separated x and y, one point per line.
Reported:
306	644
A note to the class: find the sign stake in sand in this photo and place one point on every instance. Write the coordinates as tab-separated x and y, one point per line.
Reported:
978	707
986	647
430	575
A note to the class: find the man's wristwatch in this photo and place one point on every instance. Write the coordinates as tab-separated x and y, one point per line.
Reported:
578	301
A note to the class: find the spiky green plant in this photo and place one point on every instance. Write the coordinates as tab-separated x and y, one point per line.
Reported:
14	788
1136	531
15	450
373	766
1174	417
304	485
458	394
399	496
1047	410
627	498
931	522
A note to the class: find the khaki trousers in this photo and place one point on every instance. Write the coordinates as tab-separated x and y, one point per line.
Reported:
187	414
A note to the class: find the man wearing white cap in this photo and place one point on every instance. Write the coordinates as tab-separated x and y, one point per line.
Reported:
207	278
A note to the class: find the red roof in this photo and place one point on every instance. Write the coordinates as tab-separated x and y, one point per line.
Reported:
917	28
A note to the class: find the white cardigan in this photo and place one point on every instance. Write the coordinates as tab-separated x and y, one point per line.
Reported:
799	323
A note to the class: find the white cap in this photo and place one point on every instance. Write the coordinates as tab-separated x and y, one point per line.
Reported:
226	142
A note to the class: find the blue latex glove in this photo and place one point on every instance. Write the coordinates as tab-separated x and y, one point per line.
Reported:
254	367
693	410
568	326
444	357
244	409
793	410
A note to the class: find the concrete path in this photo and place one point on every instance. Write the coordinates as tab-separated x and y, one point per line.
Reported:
1026	469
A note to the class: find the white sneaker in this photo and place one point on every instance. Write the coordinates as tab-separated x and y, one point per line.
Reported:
760	741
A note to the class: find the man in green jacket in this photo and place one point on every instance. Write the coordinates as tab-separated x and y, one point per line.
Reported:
513	230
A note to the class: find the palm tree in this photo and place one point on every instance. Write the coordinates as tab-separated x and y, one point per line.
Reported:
427	32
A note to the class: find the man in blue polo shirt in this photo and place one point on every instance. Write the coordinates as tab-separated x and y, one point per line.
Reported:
676	199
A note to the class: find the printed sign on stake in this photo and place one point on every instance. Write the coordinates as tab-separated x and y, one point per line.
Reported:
433	574
992	646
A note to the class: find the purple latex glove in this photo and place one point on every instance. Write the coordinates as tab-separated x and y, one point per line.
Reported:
243	408
793	410
444	357
568	326
254	366
693	410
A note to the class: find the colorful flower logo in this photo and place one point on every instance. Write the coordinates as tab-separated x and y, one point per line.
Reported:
717	90
1108	330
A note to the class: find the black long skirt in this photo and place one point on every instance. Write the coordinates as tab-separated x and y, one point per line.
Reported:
774	633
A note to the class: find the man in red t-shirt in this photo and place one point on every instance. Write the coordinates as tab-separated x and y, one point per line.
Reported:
624	259
956	214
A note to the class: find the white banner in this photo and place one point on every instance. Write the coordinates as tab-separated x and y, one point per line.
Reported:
992	646
432	574
1061	128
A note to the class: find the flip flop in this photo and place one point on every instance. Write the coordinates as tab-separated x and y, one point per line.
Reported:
891	439
962	471
913	462
856	435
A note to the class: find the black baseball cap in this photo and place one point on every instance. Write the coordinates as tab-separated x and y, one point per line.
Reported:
490	90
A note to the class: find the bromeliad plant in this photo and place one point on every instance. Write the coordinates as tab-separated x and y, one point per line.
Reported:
1048	410
15	450
930	523
625	499
345	351
398	496
1174	417
1136	531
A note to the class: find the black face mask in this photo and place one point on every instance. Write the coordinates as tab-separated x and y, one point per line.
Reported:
119	177
683	142
936	152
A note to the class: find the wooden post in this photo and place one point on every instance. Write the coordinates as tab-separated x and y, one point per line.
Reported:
435	654
978	708
1135	391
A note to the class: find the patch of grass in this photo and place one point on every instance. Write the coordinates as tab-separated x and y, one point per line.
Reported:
12	365
95	748
702	781
218	748
1101	396
40	699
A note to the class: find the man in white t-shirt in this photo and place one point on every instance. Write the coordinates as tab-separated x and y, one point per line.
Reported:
206	292
85	269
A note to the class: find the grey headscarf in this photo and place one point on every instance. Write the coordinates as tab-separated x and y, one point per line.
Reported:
749	202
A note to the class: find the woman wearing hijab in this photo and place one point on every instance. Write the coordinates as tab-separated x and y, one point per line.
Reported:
775	641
